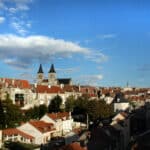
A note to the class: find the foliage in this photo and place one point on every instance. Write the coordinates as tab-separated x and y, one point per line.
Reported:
55	104
99	109
19	146
10	114
35	113
70	103
81	105
93	109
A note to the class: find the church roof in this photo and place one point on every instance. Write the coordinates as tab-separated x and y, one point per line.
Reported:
52	69
40	69
64	81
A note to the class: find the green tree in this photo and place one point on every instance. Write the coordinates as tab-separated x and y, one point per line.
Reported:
93	109
2	123
42	110
70	103
81	105
55	104
11	115
99	109
105	110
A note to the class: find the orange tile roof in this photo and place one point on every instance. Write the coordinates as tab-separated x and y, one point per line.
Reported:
14	131
46	89
42	126
71	88
23	84
73	146
59	115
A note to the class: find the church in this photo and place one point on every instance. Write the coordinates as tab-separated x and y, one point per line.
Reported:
52	79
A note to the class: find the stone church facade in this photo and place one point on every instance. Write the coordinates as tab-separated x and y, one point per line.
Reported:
52	78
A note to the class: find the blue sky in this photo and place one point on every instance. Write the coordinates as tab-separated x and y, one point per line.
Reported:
98	42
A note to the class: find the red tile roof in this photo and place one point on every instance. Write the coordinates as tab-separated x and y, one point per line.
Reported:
73	146
46	89
71	88
14	131
59	115
42	126
23	84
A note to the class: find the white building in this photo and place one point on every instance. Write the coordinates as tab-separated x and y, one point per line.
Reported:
63	122
40	130
13	134
120	103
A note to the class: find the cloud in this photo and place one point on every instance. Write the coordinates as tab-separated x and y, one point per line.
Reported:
2	19
106	36
90	79
17	14
19	27
97	56
67	71
23	51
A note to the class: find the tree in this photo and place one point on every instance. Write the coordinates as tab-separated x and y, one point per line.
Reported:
70	103
2	123
55	104
42	110
10	114
35	113
93	109
81	105
99	109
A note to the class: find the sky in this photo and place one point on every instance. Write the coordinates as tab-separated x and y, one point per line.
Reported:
95	42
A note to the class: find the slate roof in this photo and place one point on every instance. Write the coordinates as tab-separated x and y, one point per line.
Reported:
52	69
119	98
40	69
64	81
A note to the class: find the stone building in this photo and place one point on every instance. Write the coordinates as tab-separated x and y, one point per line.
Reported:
52	79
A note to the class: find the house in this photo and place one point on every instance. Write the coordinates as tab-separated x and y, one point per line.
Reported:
19	91
13	134
120	103
62	121
40	130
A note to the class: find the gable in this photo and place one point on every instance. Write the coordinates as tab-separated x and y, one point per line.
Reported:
28	128
47	119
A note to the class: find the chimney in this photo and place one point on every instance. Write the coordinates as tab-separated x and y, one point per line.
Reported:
79	88
61	86
13	82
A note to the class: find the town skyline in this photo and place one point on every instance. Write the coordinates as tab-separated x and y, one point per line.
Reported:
102	43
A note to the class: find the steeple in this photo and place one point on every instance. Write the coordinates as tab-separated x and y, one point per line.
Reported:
40	69
52	69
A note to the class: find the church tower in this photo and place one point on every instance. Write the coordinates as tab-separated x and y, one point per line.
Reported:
52	76
40	75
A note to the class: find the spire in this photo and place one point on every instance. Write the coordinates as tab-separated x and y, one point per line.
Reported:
52	69
40	69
